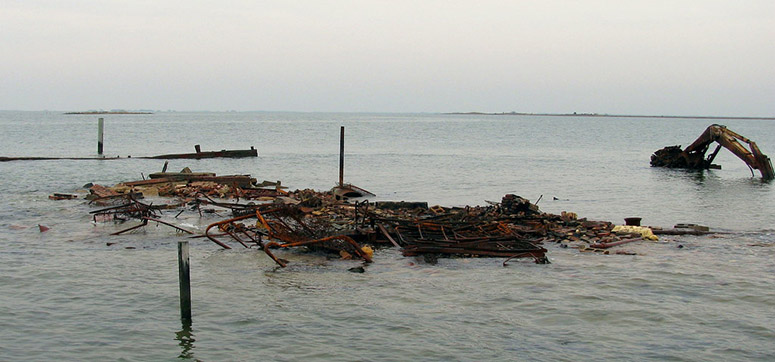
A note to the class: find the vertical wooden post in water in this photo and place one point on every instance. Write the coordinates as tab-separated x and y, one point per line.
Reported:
184	278
100	128
341	157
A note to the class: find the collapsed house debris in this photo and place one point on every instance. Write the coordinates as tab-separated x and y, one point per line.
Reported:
693	157
270	218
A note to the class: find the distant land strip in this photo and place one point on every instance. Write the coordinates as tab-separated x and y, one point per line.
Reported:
603	115
108	112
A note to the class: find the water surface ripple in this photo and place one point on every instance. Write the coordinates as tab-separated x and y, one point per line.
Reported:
68	295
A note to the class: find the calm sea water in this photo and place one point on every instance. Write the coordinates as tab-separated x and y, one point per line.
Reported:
67	295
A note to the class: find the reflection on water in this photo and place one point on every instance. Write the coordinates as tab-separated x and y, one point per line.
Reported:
185	338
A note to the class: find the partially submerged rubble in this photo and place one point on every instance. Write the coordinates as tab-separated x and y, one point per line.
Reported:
693	157
267	217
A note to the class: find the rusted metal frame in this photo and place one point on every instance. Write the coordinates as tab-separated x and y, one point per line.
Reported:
266	248
269	245
240	228
344	238
277	219
223	222
263	222
251	237
299	221
275	235
280	221
237	238
283	234
505	229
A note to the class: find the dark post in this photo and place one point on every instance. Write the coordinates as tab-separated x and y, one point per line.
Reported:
197	148
341	157
100	128
184	278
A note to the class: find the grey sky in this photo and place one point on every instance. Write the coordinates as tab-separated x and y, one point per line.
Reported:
638	57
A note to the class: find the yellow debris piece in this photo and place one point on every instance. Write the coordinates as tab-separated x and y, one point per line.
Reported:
645	232
366	249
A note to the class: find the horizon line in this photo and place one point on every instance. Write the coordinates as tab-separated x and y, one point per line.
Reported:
146	111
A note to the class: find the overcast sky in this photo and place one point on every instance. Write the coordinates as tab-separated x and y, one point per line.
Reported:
620	57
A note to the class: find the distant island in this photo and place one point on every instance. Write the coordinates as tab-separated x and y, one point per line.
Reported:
601	115
111	112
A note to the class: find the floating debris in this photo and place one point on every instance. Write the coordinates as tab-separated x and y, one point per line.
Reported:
61	196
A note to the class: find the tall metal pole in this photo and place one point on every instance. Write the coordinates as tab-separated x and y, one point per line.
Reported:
341	157
100	128
184	279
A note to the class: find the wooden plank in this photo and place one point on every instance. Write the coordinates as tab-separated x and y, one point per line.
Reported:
387	235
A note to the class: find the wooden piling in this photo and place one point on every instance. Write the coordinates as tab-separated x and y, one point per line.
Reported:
100	129
184	278
341	157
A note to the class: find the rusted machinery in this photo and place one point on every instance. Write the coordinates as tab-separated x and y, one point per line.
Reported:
693	157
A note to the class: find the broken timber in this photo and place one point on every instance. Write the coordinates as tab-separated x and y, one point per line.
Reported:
252	152
160	178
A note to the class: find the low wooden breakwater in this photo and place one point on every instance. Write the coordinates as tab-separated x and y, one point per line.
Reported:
252	152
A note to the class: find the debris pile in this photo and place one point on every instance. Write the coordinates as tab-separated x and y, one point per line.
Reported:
513	228
190	185
271	218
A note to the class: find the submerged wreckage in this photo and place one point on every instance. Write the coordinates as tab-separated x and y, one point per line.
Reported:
267	217
270	218
693	157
